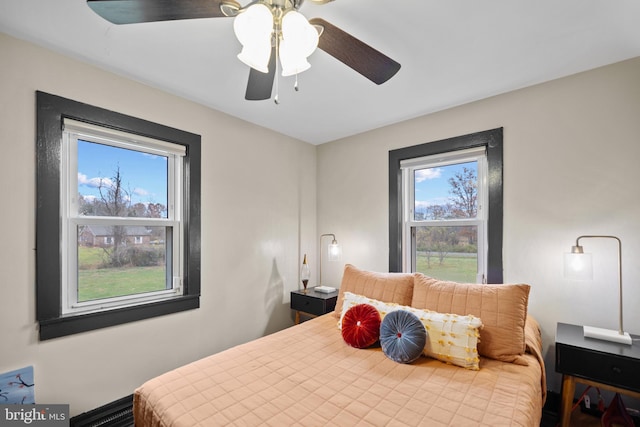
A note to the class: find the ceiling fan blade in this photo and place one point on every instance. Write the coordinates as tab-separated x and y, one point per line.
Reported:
136	11
364	59
260	84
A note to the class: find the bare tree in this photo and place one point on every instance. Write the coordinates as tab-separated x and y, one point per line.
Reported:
115	201
463	203
464	188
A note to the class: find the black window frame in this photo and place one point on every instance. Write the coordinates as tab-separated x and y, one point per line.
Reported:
492	140
51	111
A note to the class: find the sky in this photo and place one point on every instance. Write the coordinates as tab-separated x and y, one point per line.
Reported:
143	175
432	185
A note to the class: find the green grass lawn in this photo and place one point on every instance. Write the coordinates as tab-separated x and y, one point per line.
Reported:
90	257
111	282
95	282
457	269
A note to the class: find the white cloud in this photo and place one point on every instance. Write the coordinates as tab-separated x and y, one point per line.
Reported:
425	174
106	183
94	182
140	192
423	204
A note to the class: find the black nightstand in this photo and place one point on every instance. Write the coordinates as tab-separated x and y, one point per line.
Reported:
312	303
607	365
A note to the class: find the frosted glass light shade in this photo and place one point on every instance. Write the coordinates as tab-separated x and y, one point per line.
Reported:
253	28
254	22
299	40
578	266
335	251
291	63
256	56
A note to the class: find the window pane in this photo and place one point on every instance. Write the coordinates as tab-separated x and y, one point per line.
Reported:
447	253
119	182
112	263
446	192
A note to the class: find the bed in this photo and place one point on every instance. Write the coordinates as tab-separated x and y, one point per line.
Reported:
307	375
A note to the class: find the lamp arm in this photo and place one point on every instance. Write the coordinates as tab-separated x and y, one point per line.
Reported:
621	329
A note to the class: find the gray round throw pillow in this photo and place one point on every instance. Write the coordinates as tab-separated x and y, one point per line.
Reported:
402	336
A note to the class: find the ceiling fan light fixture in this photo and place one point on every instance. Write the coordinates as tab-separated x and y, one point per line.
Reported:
299	40
256	56
292	64
253	28
260	29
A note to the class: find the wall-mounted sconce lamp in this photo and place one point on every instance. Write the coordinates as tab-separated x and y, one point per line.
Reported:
334	249
578	266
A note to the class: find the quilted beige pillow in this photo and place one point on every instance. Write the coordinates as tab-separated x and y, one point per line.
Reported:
502	308
389	287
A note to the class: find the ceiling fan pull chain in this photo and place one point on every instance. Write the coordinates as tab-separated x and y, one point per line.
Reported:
275	98
295	86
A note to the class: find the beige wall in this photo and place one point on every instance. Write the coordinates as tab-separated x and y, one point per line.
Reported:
570	148
571	167
258	216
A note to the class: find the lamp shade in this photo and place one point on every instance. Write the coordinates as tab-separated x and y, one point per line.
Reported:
253	28
578	266
335	251
299	40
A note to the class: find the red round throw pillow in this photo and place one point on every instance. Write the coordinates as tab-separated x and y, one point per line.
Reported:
361	326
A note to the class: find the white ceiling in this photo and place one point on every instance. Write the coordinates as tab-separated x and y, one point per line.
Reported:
452	52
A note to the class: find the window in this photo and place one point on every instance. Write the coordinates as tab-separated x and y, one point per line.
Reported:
444	227
118	218
124	187
445	208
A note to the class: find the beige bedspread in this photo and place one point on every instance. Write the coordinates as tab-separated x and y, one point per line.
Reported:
307	376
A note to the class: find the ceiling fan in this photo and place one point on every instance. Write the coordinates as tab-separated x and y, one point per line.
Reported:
354	53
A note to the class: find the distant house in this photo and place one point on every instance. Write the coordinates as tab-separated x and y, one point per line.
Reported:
103	236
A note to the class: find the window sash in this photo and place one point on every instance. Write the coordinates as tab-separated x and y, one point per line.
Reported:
74	131
121	139
411	261
408	168
444	159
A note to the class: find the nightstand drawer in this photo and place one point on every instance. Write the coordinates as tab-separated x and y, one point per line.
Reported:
308	305
312	302
596	366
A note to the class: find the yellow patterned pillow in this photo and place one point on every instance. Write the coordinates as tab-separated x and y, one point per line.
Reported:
451	338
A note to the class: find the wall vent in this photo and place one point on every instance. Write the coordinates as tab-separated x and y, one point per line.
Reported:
118	413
